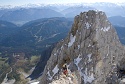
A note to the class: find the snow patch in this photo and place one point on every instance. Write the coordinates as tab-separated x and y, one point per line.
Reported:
77	60
107	55
97	29
89	56
78	46
72	40
54	53
61	47
55	70
88	78
85	76
35	83
86	16
105	29
70	80
89	45
123	80
49	76
87	25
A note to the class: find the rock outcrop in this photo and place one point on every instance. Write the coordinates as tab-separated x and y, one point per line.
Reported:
92	51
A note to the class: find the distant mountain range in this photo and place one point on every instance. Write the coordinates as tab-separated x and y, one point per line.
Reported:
117	20
25	13
29	14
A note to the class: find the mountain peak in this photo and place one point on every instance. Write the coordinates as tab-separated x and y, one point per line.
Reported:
89	19
92	52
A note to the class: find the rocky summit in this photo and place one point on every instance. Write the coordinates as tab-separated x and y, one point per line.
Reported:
92	52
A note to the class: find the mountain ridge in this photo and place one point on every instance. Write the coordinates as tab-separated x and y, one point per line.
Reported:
24	14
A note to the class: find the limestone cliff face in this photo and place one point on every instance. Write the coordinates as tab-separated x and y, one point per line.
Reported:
92	50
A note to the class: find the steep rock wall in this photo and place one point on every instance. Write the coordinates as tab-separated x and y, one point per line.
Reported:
92	49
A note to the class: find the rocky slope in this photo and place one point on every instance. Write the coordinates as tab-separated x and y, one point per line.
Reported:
92	51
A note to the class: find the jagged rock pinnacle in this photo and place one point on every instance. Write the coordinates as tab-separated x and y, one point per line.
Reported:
92	51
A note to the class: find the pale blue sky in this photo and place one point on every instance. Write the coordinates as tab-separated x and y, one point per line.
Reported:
21	2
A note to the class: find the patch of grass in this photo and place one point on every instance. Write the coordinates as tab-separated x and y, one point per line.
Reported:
34	59
27	64
2	62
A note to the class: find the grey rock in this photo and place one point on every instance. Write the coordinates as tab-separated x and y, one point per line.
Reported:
92	48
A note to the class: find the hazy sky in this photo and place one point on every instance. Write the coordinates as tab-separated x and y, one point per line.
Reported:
21	2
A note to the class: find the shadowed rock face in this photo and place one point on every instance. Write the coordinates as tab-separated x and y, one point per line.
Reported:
92	48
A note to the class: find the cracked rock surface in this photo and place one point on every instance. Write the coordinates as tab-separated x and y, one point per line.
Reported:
92	51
